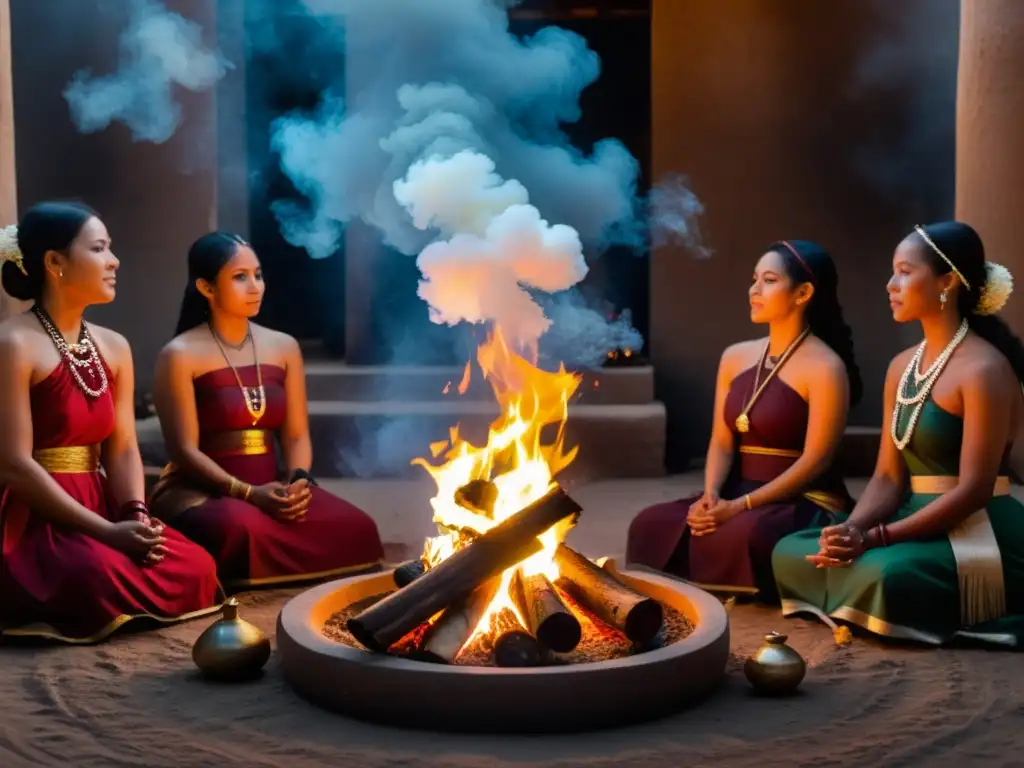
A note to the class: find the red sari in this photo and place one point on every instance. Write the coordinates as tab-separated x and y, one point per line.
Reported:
252	548
64	585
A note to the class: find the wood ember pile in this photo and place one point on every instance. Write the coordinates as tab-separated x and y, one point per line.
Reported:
587	615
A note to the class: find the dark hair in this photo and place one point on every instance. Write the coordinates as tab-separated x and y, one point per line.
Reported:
206	258
962	245
807	262
44	227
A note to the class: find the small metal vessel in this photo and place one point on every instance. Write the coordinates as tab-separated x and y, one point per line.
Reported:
775	669
231	649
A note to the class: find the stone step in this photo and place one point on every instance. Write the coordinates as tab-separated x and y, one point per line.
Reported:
336	380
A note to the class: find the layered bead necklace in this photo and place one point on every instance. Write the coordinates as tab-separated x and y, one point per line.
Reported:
923	383
255	397
80	356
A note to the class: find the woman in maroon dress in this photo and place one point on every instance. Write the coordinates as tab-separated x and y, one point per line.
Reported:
780	411
80	554
224	387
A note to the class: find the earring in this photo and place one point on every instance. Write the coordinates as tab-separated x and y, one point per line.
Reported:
943	297
60	273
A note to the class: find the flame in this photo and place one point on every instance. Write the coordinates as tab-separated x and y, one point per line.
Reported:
514	458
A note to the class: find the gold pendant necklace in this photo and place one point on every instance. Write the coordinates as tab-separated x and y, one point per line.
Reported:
743	420
255	398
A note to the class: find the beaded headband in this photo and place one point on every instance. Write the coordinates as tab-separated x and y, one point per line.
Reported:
944	257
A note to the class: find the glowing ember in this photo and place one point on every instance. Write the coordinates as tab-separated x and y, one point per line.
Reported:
520	466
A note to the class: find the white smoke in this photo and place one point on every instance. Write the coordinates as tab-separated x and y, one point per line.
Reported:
499	247
450	144
158	50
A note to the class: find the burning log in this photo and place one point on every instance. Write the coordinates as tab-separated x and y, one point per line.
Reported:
456	577
638	616
547	617
446	637
478	496
406	573
514	646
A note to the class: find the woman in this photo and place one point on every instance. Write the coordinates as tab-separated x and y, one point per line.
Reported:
80	554
780	411
947	558
223	387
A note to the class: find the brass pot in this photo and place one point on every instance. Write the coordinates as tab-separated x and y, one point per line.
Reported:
231	648
775	669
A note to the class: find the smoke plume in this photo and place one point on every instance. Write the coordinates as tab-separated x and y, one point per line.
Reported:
450	145
158	51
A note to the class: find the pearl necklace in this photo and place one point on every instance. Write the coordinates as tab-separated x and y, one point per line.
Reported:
82	354
921	395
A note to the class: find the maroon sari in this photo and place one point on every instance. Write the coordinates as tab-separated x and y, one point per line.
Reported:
63	585
250	547
737	556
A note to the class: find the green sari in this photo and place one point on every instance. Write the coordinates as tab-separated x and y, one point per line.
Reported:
969	583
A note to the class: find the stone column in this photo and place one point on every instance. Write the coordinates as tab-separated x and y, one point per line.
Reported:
990	133
8	180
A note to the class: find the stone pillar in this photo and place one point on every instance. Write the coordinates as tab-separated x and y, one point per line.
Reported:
990	133
8	179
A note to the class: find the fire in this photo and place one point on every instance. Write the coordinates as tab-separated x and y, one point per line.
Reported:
515	459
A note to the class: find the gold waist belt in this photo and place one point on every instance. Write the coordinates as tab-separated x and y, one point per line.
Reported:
69	460
979	563
832	502
758	450
239	442
946	483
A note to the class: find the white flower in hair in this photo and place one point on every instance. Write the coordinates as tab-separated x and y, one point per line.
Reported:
9	250
996	291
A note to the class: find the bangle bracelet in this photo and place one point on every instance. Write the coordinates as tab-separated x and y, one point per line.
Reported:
746	502
883	534
246	492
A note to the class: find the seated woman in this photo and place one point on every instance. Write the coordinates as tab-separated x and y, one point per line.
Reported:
223	387
780	411
79	555
943	554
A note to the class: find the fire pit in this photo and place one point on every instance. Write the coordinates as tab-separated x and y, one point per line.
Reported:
567	697
499	625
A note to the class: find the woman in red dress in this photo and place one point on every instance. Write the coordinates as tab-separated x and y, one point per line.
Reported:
80	555
224	387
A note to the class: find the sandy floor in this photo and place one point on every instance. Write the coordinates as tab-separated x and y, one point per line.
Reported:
137	701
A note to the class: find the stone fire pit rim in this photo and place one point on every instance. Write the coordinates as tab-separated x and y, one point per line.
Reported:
294	620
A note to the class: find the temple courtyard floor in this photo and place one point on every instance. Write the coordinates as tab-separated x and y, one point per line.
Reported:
138	701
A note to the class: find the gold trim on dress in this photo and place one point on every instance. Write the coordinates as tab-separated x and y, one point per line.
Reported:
830	502
979	563
884	628
47	632
760	450
236	442
69	459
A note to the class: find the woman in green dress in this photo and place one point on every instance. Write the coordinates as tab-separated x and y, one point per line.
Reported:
934	549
